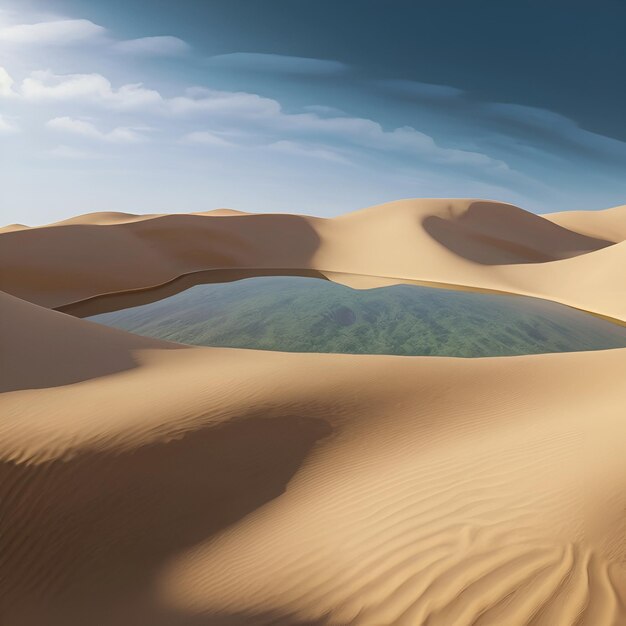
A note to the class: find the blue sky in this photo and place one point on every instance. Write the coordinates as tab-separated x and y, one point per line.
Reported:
309	107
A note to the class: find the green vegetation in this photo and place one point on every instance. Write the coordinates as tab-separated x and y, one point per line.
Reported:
311	315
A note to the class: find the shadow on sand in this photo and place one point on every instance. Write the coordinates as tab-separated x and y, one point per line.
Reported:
492	234
86	537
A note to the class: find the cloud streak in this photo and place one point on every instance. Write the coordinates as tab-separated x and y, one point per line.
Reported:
431	136
89	130
277	64
163	45
92	89
55	32
252	113
61	33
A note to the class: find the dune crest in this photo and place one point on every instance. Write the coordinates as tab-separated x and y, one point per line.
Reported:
12	227
473	244
607	224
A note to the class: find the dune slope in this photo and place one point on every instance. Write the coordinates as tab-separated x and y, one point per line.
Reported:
42	348
216	486
609	224
469	243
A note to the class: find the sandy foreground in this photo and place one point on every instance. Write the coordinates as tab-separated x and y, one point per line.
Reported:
146	482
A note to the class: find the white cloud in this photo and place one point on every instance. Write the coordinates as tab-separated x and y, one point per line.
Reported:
87	129
164	45
311	135
6	84
262	119
56	32
94	88
7	126
97	90
370	134
231	103
67	32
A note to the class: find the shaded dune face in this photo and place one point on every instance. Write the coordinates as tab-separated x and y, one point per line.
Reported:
490	234
84	536
51	349
91	265
58	265
107	303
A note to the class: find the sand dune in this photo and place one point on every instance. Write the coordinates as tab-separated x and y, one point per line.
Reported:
214	486
144	482
145	253
608	224
467	243
35	340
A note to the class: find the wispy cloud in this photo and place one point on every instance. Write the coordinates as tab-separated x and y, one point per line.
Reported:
276	63
6	84
89	88
549	130
514	128
163	45
418	89
453	141
91	131
54	32
199	100
63	32
252	113
370	134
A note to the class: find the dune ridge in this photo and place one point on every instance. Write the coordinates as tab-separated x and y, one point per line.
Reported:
146	482
471	243
607	224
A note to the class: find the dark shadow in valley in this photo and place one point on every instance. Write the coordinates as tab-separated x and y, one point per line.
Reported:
42	349
60	266
85	537
107	303
492	234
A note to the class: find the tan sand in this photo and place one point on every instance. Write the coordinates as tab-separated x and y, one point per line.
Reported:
608	224
11	227
470	243
151	483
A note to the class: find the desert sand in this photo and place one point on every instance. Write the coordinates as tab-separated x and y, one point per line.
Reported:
473	244
146	482
608	224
